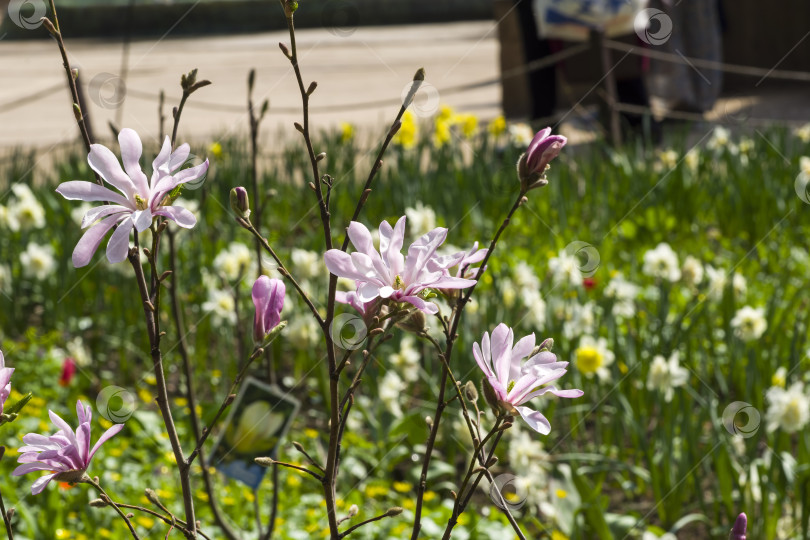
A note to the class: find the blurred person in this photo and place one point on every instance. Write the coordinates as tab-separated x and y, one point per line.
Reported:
696	33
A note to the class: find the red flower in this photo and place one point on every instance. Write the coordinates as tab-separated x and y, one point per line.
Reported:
68	371
589	283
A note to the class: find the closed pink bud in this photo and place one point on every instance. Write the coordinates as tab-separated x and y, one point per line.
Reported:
738	532
268	297
532	165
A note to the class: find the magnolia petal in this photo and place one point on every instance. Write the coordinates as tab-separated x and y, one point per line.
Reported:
104	162
427	307
99	212
501	351
142	219
118	246
535	420
41	483
340	264
184	218
90	240
78	190
131	150
106	436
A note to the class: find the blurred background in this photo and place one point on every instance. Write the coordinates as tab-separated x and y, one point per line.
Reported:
530	59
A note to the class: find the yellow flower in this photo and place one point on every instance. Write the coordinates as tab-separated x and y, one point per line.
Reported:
561	493
375	491
105	533
557	535
150	380
408	131
442	134
589	359
215	149
346	132
145	395
468	123
145	522
62	533
445	113
429	496
180	401
311	433
402	487
497	126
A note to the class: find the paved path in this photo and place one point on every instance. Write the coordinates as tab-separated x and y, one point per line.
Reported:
370	64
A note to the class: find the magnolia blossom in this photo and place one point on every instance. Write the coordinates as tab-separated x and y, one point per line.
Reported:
662	263
140	200
749	323
387	274
788	409
268	298
5	382
666	375
516	382
66	454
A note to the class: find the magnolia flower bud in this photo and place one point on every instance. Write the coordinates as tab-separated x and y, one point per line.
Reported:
489	395
268	298
395	511
240	203
532	165
415	322
353	510
740	525
470	391
98	503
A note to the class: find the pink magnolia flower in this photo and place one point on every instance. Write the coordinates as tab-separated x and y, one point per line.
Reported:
514	381
533	164
5	382
268	297
140	200
387	274
65	453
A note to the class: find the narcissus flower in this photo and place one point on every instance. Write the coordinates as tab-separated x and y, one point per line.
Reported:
66	454
388	274
749	323
140	200
514	381
268	298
